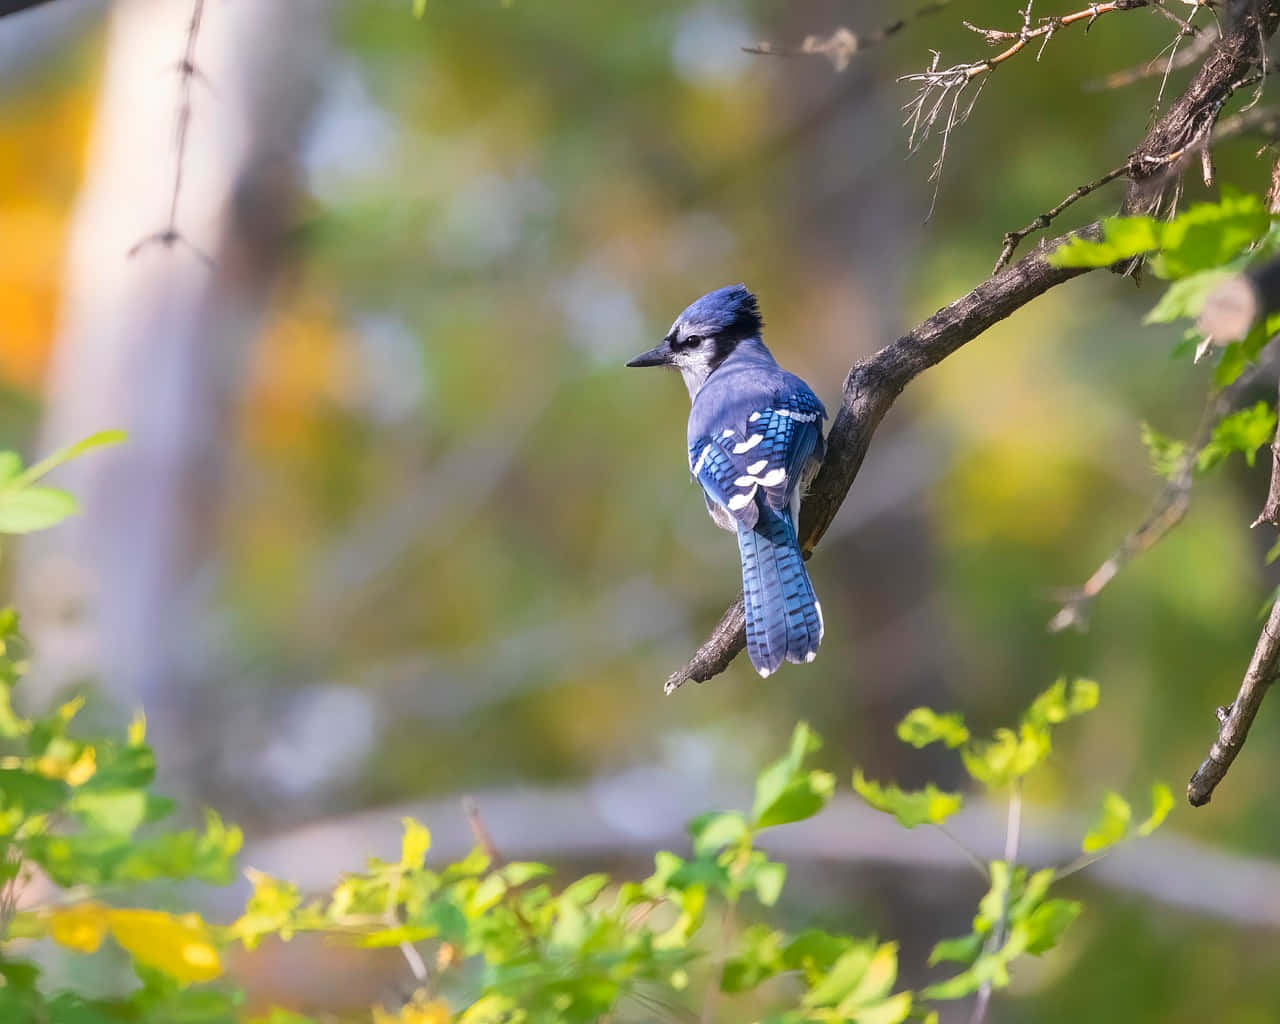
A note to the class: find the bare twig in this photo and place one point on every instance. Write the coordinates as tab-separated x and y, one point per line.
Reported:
937	102
843	43
1167	511
1177	60
869	390
170	235
1013	238
1012	837
481	834
1236	717
1271	507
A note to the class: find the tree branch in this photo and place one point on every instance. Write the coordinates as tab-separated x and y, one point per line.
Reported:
8	7
1167	511
1236	718
869	391
1185	126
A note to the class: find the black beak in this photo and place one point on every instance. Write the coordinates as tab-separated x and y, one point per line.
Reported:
660	356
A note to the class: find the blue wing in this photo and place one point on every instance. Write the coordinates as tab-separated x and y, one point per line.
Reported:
764	458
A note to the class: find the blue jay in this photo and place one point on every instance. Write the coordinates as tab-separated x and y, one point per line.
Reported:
755	442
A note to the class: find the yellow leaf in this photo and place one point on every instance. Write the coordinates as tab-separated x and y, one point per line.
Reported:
414	846
178	946
83	768
58	765
138	728
70	709
80	926
434	1012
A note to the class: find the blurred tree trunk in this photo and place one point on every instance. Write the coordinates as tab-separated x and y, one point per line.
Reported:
155	342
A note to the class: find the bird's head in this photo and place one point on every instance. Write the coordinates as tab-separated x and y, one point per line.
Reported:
706	333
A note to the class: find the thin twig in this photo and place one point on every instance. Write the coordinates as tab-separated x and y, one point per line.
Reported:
940	89
391	915
1167	511
170	235
483	839
979	865
1012	838
708	1015
1013	238
843	43
1236	718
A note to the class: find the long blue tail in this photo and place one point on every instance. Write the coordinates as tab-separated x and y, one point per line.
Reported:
784	619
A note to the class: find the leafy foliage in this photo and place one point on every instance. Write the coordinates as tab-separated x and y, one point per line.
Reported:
1195	251
1202	238
508	945
26	506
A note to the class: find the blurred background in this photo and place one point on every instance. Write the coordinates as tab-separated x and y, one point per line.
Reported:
393	524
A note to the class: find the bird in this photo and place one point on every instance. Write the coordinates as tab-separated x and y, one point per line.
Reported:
755	443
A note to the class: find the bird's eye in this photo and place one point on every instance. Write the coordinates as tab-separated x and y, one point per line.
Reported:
693	340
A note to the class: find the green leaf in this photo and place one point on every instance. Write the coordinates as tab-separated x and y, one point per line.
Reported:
1111	826
66	454
844	974
1029	891
1060	702
876	981
785	791
1164	454
717	829
1044	926
585	889
925	806
118	812
1122	239
1010	755
1161	805
961	950
991	906
1202	238
518	872
814	952
419	8
10	466
802	798
893	1010
1236	357
1245	431
759	958
923	726
27	509
1185	299
775	778
1209	234
767	880
29	792
269	910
